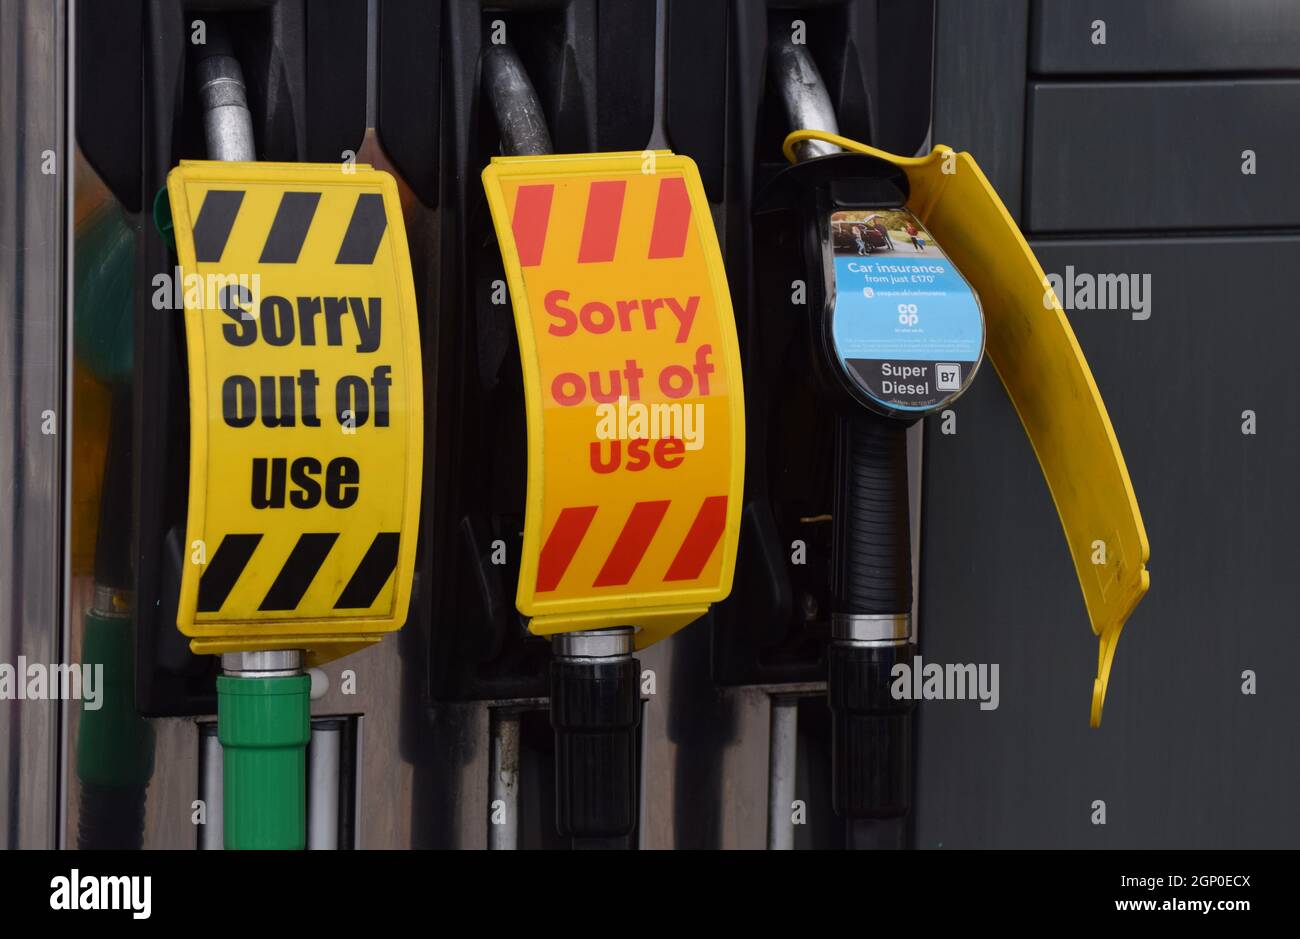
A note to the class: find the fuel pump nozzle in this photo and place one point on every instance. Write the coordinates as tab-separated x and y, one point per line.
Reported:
595	679
263	697
520	119
227	122
882	357
595	710
804	97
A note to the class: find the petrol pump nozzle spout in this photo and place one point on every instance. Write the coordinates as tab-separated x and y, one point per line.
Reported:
520	119
803	94
829	192
595	680
227	121
263	697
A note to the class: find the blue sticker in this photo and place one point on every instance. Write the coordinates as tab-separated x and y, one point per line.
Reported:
906	325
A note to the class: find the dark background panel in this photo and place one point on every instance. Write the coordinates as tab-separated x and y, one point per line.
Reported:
1156	156
1183	758
694	88
906	28
1166	36
979	87
409	67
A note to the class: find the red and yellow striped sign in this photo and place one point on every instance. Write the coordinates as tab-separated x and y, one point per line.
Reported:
633	385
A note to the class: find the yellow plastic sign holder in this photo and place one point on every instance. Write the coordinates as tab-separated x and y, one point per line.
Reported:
632	385
306	406
1034	350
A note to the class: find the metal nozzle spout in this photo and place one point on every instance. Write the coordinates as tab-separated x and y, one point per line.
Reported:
520	119
794	75
227	122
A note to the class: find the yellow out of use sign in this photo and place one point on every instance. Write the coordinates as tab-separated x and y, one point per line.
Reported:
633	390
305	406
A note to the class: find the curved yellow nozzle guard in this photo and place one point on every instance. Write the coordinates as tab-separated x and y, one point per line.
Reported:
1035	353
632	390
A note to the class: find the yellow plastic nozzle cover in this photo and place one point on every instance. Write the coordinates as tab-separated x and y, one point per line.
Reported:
632	390
306	406
1034	350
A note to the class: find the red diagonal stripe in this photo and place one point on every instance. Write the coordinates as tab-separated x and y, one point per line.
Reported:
700	540
672	219
632	542
532	214
562	544
600	230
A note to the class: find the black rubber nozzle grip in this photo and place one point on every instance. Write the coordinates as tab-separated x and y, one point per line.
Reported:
871	569
595	711
871	574
871	731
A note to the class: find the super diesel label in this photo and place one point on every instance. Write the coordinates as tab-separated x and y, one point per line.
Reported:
906	325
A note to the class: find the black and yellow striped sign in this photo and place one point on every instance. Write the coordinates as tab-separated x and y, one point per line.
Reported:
305	406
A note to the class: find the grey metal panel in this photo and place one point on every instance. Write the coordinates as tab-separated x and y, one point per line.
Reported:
1166	36
979	87
706	752
1182	758
1154	156
33	88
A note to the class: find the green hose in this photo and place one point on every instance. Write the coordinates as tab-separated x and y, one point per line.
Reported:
264	725
115	745
104	285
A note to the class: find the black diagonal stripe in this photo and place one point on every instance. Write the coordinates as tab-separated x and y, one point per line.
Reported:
216	218
371	574
296	576
289	230
361	240
223	570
